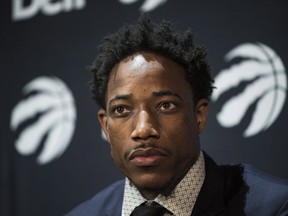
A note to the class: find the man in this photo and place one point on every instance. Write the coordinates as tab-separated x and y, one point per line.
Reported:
153	85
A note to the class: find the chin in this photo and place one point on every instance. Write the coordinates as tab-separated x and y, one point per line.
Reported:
150	182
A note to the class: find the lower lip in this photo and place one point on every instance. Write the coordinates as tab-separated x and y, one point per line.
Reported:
147	161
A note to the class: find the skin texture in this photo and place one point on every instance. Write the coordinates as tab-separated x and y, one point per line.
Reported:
152	122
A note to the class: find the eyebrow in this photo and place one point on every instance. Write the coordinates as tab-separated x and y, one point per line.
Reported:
165	93
120	97
156	94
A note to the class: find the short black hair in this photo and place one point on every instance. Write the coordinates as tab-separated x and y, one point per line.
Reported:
162	39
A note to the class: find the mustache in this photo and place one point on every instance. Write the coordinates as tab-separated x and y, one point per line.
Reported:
144	145
149	148
141	146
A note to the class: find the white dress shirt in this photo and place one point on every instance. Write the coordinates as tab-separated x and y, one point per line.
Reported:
181	200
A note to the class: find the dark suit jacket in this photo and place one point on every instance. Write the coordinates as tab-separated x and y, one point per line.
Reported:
227	190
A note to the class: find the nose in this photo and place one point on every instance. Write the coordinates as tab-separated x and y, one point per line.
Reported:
145	127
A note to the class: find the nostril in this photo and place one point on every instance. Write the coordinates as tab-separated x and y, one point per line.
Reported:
141	133
145	127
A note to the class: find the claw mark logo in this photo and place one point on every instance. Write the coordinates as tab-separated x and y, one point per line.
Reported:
260	70
147	6
46	116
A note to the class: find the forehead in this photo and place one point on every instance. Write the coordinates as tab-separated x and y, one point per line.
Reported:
144	64
146	71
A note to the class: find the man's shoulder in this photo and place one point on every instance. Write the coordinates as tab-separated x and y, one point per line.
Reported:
257	180
107	200
265	186
264	192
254	175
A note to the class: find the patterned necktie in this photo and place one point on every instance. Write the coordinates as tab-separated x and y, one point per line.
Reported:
154	209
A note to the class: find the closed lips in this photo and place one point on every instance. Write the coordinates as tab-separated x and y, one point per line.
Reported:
146	152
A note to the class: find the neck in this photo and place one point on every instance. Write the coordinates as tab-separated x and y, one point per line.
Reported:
152	193
149	194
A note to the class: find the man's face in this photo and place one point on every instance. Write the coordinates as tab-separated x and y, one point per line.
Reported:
151	121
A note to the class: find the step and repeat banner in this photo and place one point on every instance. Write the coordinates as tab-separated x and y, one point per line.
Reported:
52	152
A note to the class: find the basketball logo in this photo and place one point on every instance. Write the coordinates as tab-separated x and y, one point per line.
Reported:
45	116
260	74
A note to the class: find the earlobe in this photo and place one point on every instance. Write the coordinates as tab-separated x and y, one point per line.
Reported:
102	117
202	114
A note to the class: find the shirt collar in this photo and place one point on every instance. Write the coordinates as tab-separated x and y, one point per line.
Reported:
182	199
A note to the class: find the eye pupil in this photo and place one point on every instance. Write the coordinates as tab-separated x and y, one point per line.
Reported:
166	105
120	109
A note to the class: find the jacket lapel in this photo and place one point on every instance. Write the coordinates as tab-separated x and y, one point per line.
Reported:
114	207
222	193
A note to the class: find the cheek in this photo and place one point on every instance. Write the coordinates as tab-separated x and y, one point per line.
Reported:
184	136
117	138
116	150
184	126
115	131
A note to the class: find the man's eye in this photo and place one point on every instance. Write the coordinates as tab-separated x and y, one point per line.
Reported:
120	110
167	106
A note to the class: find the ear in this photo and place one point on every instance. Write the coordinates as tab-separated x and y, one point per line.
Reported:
202	114
102	117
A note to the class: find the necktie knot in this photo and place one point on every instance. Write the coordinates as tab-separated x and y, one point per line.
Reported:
153	209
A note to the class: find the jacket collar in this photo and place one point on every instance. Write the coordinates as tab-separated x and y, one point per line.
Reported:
223	191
